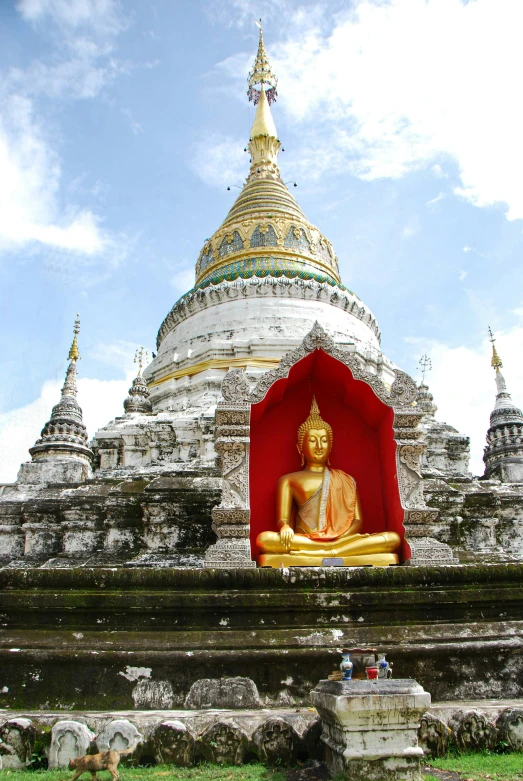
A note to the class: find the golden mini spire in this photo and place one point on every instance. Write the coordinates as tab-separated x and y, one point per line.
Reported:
74	352
140	357
261	75
496	361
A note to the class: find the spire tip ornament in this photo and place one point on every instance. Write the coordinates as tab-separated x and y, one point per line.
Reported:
425	364
262	75
74	352
140	357
496	361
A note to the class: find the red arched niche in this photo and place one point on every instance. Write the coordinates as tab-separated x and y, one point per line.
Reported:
363	444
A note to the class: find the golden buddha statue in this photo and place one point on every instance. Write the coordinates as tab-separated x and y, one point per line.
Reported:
319	512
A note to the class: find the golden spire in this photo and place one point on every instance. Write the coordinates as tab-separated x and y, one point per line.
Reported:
263	124
262	74
140	357
263	143
496	361
74	352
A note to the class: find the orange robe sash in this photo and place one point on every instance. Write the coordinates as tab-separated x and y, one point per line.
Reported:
337	504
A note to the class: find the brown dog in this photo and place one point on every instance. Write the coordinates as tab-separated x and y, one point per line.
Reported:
107	760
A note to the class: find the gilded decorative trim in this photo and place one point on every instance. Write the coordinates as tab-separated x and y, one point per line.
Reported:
218	363
325	486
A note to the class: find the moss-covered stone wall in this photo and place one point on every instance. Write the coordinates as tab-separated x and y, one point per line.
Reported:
118	638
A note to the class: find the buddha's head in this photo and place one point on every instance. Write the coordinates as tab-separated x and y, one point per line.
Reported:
314	438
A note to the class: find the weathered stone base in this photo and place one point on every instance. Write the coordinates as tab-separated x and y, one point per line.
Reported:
55	471
230	553
121	638
370	728
390	769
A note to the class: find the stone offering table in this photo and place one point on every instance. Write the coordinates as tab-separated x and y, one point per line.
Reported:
370	728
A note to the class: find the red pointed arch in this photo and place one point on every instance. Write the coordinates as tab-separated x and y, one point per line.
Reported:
364	445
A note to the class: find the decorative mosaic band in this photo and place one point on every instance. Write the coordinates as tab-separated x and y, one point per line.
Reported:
265	267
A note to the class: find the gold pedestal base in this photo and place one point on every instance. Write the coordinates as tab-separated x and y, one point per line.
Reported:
277	560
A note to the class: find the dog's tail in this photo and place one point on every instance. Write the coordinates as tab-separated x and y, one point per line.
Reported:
125	751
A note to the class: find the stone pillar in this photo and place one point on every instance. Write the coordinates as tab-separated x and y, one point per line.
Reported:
231	519
123	522
43	532
420	520
83	535
370	728
12	537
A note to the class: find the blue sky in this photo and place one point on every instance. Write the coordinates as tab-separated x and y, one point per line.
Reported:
123	123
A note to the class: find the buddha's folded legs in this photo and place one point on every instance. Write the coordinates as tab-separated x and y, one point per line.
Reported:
359	544
347	545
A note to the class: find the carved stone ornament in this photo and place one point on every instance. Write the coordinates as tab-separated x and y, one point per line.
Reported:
433	735
224	743
474	732
510	728
231	518
235	386
232	440
403	391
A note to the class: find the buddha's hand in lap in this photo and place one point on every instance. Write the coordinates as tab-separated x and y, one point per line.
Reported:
286	536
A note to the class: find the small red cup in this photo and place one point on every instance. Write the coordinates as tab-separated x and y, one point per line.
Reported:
372	673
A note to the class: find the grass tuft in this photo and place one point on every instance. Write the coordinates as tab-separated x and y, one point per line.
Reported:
204	772
480	766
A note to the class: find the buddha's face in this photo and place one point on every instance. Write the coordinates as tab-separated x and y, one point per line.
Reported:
316	446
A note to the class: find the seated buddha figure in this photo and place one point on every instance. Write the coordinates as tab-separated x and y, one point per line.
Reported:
319	512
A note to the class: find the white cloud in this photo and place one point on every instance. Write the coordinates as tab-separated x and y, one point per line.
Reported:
29	181
102	16
183	280
394	86
119	355
242	13
436	199
220	161
33	212
463	385
101	401
411	229
462	275
82	35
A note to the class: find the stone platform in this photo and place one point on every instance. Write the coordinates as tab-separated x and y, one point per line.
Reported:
133	638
